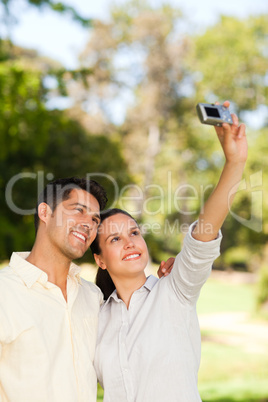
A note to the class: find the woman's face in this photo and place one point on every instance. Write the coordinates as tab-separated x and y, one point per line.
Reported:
124	252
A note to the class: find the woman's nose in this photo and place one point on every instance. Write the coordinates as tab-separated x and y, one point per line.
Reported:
129	243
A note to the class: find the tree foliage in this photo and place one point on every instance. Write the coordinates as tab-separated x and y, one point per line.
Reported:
58	7
134	100
230	60
40	144
141	55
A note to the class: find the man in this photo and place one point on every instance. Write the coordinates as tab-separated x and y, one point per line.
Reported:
48	314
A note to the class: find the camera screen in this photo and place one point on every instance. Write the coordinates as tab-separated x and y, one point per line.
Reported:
212	112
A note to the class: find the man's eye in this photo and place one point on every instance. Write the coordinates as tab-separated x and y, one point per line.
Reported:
96	220
80	210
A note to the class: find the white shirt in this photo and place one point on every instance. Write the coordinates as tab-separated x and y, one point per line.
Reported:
151	352
46	345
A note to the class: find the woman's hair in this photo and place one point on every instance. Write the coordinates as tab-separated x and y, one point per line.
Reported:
103	279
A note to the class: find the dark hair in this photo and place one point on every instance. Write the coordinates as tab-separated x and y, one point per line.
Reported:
103	279
59	190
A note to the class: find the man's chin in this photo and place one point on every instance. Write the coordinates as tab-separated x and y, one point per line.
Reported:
75	254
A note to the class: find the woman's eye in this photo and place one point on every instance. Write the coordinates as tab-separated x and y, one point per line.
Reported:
79	210
115	239
136	232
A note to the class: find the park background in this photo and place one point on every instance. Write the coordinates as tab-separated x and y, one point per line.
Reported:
109	90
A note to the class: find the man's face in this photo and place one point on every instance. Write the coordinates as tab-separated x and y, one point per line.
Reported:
72	227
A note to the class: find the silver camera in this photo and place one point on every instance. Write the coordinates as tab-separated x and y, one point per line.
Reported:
215	115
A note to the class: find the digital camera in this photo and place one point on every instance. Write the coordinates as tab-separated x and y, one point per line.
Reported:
215	115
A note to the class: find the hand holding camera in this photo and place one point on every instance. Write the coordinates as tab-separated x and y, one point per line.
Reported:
214	115
232	136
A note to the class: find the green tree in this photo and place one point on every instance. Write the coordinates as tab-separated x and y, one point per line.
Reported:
59	7
138	56
229	61
39	144
36	143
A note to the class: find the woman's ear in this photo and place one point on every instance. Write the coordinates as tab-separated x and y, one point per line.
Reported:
99	261
44	211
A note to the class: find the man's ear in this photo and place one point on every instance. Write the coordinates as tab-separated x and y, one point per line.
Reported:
99	261
44	211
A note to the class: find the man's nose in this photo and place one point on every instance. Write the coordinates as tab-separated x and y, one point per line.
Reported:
86	226
87	222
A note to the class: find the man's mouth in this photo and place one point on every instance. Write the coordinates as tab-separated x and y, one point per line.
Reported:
80	236
131	257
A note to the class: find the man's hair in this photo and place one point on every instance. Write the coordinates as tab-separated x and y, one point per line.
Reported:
59	190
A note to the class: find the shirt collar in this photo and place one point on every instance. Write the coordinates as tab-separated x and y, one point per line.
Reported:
74	273
149	284
30	274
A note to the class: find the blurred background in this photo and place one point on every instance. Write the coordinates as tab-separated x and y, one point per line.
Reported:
109	89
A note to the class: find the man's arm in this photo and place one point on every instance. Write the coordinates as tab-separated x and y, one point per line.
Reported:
165	267
234	144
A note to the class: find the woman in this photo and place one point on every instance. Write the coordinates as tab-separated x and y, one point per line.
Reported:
148	347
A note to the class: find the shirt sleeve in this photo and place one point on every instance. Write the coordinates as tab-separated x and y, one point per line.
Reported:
193	265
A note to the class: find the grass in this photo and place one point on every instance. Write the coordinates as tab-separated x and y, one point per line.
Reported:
217	296
100	394
230	372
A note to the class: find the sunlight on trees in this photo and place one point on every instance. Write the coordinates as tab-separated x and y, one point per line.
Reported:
132	116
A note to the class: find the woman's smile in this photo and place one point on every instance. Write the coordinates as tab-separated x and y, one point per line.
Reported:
132	256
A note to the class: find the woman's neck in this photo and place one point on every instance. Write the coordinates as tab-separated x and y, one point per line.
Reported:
125	287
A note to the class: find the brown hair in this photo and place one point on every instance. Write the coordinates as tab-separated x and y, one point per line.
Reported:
59	190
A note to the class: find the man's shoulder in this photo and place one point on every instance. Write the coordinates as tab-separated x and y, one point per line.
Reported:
8	284
6	275
91	287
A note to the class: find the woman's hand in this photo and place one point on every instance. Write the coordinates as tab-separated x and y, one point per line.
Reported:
233	139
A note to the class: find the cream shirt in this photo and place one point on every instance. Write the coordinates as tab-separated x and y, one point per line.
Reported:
151	351
46	345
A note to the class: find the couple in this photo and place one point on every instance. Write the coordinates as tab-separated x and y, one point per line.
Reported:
147	346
